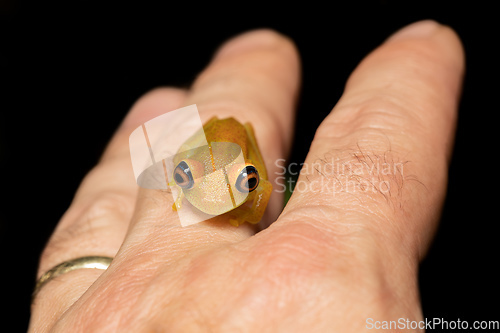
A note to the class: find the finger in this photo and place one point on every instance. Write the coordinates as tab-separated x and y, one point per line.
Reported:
252	78
98	218
377	167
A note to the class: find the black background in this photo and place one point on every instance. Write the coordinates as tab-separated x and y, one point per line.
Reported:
69	73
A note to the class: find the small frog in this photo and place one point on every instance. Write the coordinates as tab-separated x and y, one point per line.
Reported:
226	177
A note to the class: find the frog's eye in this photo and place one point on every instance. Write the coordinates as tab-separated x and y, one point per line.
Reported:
248	180
183	176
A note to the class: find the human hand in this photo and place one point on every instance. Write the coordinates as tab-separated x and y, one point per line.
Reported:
345	248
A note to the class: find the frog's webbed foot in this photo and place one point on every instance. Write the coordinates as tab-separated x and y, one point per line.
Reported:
235	222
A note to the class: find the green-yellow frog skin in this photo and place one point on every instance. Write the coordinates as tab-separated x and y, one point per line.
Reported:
214	181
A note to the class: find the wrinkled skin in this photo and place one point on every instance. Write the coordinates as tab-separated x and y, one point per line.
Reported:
333	258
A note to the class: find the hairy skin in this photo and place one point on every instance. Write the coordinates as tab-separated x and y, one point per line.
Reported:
334	257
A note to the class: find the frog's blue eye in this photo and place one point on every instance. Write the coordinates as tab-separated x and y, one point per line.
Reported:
183	176
248	180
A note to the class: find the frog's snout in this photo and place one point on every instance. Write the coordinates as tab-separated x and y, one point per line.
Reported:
213	194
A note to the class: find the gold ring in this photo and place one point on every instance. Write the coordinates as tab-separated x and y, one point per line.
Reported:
95	262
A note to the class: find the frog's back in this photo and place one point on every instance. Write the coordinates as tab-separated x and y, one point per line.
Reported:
226	130
214	130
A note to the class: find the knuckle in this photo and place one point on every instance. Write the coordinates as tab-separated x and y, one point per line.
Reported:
98	211
383	112
368	115
108	178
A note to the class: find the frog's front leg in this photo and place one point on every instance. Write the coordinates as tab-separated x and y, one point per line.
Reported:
253	214
178	202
